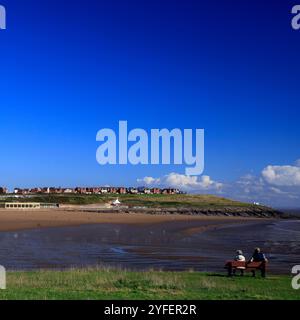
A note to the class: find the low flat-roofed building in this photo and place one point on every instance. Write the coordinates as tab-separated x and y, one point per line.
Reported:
49	205
22	206
30	205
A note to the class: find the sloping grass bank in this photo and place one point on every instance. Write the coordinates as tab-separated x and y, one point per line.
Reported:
151	200
116	284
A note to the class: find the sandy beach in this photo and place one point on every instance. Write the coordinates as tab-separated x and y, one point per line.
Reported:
13	220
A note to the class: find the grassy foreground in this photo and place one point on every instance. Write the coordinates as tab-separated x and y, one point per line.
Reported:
115	284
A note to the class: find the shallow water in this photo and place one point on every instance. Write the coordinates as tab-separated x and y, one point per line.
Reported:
174	245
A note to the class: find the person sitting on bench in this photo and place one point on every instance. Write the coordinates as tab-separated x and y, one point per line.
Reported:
239	257
259	256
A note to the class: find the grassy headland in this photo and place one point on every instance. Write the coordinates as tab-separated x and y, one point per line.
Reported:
155	204
140	200
151	200
116	284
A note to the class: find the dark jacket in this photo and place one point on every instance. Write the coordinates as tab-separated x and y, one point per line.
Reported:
258	257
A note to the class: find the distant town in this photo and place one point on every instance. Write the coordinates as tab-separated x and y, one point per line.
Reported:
90	190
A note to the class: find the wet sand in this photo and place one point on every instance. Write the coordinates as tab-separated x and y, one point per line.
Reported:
13	220
202	245
62	239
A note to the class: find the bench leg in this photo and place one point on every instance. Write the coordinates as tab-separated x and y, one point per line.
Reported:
229	269
253	273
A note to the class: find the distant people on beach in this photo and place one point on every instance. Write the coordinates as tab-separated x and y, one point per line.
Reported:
259	256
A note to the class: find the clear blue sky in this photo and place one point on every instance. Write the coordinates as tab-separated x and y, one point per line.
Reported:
70	68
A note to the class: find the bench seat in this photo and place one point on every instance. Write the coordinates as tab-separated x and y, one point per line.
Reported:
245	265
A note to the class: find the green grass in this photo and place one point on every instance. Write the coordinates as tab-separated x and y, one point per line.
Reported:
153	201
116	284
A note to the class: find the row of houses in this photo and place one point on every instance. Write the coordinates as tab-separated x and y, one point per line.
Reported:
92	190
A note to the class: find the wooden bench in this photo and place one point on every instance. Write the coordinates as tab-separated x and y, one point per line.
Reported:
233	265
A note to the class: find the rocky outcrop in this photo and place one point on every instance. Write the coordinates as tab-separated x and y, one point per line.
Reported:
255	212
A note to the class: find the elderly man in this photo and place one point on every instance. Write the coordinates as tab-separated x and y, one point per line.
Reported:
259	256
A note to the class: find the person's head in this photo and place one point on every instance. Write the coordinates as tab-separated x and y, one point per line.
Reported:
239	252
257	250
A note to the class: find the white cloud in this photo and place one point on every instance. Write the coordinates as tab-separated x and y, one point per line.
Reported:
277	190
275	185
184	182
149	180
287	176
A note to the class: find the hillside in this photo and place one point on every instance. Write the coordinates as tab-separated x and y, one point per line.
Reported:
151	200
154	204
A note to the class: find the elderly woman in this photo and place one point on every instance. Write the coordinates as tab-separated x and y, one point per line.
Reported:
240	257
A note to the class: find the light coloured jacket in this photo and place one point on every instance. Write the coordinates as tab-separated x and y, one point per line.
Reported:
240	258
